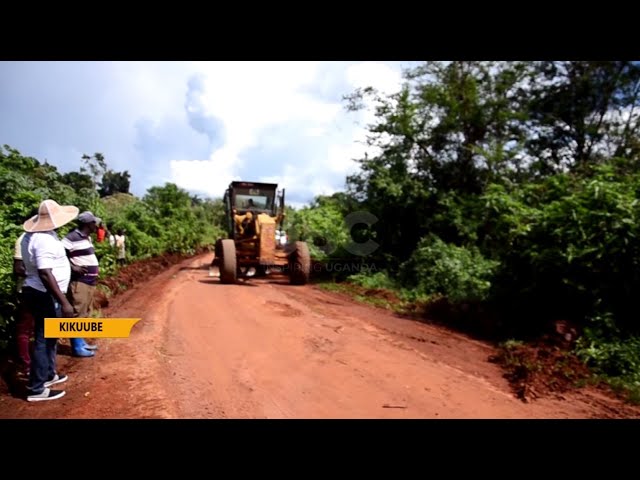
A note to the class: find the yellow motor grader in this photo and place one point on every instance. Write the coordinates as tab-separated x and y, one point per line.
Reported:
255	213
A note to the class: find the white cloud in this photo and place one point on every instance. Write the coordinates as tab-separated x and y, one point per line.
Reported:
373	74
272	106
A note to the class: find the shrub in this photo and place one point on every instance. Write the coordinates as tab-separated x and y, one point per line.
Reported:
458	273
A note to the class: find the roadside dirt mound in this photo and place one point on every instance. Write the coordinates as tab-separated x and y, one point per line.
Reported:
540	368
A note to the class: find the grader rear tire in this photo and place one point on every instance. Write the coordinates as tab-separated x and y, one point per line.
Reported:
228	262
300	264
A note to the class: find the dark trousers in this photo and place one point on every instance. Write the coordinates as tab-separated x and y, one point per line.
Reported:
24	332
43	361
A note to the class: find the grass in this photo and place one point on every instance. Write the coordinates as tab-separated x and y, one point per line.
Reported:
364	296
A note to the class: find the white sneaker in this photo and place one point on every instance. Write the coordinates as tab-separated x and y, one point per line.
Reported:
46	395
57	379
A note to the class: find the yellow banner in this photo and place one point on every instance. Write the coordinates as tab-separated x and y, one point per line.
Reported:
88	327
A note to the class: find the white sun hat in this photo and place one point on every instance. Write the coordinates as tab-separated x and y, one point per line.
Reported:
50	216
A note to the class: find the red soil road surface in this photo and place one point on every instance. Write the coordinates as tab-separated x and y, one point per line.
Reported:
265	349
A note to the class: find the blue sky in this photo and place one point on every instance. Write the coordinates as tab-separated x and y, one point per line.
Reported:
197	124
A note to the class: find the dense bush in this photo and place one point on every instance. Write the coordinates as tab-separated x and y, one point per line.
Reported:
459	273
610	353
569	243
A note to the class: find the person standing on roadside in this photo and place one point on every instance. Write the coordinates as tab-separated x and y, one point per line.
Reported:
101	233
120	247
84	275
48	273
24	319
111	236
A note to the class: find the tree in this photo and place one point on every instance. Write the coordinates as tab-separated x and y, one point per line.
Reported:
114	182
95	165
454	127
582	112
78	181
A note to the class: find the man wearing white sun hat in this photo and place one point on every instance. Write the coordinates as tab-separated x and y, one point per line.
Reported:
48	273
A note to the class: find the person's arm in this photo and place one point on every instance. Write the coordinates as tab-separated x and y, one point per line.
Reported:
18	268
50	283
78	271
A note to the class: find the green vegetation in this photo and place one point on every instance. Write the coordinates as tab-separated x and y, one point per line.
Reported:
509	184
166	219
614	356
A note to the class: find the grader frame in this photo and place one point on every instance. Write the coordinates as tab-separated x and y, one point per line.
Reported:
253	212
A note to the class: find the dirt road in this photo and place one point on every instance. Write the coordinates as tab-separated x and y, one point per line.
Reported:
265	349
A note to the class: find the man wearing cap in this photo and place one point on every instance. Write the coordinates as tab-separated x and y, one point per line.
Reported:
44	291
84	275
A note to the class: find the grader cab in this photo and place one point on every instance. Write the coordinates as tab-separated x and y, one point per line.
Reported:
255	214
